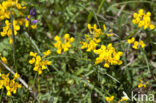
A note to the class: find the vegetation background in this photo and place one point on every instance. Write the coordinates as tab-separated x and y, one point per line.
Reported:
73	76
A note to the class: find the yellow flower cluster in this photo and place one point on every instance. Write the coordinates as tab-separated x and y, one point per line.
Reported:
108	55
7	29
110	99
141	84
92	41
136	43
5	15
40	62
5	8
143	19
96	32
9	84
65	45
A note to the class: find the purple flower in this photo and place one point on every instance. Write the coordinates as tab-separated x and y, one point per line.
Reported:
32	12
34	21
26	18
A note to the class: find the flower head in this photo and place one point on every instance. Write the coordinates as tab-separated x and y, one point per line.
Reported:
10	84
143	19
39	62
142	84
108	56
33	12
65	45
136	44
4	60
110	99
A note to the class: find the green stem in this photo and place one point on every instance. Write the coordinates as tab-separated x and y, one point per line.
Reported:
38	84
34	79
136	31
100	7
13	37
129	2
1	95
129	36
33	43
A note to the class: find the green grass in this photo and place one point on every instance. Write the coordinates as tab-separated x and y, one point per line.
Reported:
73	76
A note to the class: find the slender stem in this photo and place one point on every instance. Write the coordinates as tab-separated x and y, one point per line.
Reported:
100	7
1	95
33	43
38	84
13	37
34	79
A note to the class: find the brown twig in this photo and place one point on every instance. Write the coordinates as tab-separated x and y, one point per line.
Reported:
20	79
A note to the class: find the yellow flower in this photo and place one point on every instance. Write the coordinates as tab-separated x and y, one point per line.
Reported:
110	34
91	46
110	99
32	61
19	86
65	45
106	65
39	62
33	26
5	7
108	55
71	39
90	43
89	27
8	93
26	23
104	27
152	26
33	54
142	44
136	43
38	58
135	46
94	30
7	31
141	84
49	62
143	19
125	98
16	75
141	12
135	15
130	41
57	38
48	52
84	45
9	84
1	84
66	36
4	60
